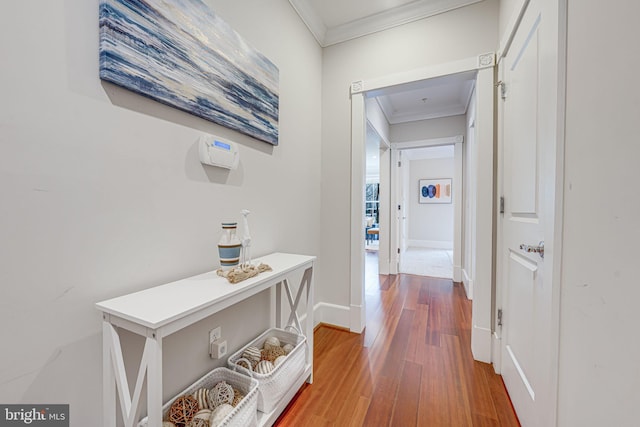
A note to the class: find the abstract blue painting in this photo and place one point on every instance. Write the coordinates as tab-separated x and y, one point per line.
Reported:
180	53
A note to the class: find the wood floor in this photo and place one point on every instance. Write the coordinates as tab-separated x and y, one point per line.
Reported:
412	366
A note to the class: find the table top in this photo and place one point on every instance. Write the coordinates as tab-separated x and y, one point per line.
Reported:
160	305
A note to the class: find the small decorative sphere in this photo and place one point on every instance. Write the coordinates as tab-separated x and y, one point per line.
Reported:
183	410
244	363
273	353
237	397
271	342
221	393
288	348
203	414
252	354
219	414
202	396
264	367
279	360
198	422
168	424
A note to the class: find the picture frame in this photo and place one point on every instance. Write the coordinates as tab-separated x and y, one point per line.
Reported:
434	191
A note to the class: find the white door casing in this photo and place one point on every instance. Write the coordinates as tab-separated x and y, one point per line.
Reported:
531	119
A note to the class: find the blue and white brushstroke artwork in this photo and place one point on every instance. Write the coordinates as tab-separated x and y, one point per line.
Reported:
180	53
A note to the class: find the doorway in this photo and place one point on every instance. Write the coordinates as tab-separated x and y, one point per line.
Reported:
361	92
428	217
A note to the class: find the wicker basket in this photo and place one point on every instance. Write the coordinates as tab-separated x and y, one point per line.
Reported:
273	386
245	414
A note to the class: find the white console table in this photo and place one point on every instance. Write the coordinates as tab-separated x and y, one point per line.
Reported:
160	311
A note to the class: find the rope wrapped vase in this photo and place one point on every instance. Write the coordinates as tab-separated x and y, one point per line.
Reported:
243	272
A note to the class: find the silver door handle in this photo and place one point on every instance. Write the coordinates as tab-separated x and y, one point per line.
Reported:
537	249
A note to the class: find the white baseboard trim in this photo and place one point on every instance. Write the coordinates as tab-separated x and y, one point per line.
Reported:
481	344
468	284
434	244
457	273
332	314
496	356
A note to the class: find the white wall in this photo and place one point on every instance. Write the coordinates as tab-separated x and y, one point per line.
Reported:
430	225
103	194
443	127
451	36
599	379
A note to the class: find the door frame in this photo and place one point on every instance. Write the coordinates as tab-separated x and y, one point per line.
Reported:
481	335
396	199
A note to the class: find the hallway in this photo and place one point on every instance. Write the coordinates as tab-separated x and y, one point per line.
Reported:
412	366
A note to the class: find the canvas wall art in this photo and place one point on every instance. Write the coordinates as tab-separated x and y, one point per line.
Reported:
180	53
435	190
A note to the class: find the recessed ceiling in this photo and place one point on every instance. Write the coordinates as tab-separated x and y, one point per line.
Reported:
335	21
428	99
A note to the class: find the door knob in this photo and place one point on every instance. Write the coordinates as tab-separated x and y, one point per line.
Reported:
537	249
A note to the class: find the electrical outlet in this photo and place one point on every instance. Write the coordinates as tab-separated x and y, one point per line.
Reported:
215	334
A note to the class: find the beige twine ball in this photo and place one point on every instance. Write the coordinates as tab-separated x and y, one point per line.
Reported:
245	364
264	367
252	354
221	393
288	348
273	353
219	414
198	422
271	342
168	424
237	397
203	414
279	360
202	396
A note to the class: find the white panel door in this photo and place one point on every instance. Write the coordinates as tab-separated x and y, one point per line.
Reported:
529	129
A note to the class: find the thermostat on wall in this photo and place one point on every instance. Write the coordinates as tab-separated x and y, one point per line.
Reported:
220	152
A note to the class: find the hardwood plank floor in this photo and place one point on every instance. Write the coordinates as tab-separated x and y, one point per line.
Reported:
412	366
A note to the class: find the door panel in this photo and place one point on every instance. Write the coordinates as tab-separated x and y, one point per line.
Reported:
529	145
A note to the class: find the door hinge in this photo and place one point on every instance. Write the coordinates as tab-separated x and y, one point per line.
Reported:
499	317
502	204
503	89
398	251
399	164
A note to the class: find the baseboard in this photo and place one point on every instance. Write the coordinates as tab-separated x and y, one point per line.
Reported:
433	244
331	314
496	354
481	344
358	321
468	284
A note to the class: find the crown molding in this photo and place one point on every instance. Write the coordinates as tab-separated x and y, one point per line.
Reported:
397	16
311	19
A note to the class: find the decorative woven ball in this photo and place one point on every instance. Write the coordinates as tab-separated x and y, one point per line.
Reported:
237	397
264	367
183	409
219	414
271	342
202	396
244	363
168	424
203	414
273	353
279	360
219	394
288	348
198	422
252	354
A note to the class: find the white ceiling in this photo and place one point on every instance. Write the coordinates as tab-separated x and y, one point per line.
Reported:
335	21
